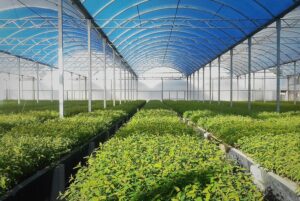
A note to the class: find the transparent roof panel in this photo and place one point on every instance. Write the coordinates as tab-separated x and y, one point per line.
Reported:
182	34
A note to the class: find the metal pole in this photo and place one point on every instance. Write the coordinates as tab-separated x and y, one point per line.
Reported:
249	73
219	80
79	87
128	86
137	89
187	88
288	87
85	88
89	26
60	59
33	89
210	91
8	87
37	82
231	75
124	75
203	84
114	78
237	88
162	89
198	85
193	98
295	98
19	80
264	86
72	89
278	29
22	86
51	84
253	88
104	80
120	85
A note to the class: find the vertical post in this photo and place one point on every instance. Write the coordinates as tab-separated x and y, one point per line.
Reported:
79	87
137	89
131	85
89	26
22	86
60	59
193	98
124	77
128	86
162	89
295	80
33	89
37	82
278	29
114	78
231	75
264	86
120	85
187	87
219	80
198	85
51	74
210	90
19	80
237	88
288	87
104	80
203	84
249	73
85	88
72	88
253	87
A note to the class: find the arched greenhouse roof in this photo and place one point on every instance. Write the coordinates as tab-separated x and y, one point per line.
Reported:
181	34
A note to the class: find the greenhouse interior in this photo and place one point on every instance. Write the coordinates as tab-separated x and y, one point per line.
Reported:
166	100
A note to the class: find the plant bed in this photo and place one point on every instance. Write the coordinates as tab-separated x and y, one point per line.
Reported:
110	125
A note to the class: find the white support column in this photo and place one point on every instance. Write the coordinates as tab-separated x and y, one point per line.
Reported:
114	78
253	87
137	88
187	87
33	89
120	85
104	80
193	85
219	79
198	85
19	80
79	87
210	89
131	86
128	86
125	87
237	88
60	59
22	86
264	86
249	73
85	88
37	82
162	89
295	80
89	26
278	29
231	75
203	84
51	84
72	88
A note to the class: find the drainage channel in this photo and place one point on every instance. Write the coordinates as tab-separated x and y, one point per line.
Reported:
46	184
274	187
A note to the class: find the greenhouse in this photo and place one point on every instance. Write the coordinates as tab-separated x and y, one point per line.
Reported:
167	100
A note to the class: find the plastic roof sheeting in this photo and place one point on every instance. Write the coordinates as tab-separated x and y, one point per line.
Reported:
182	34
